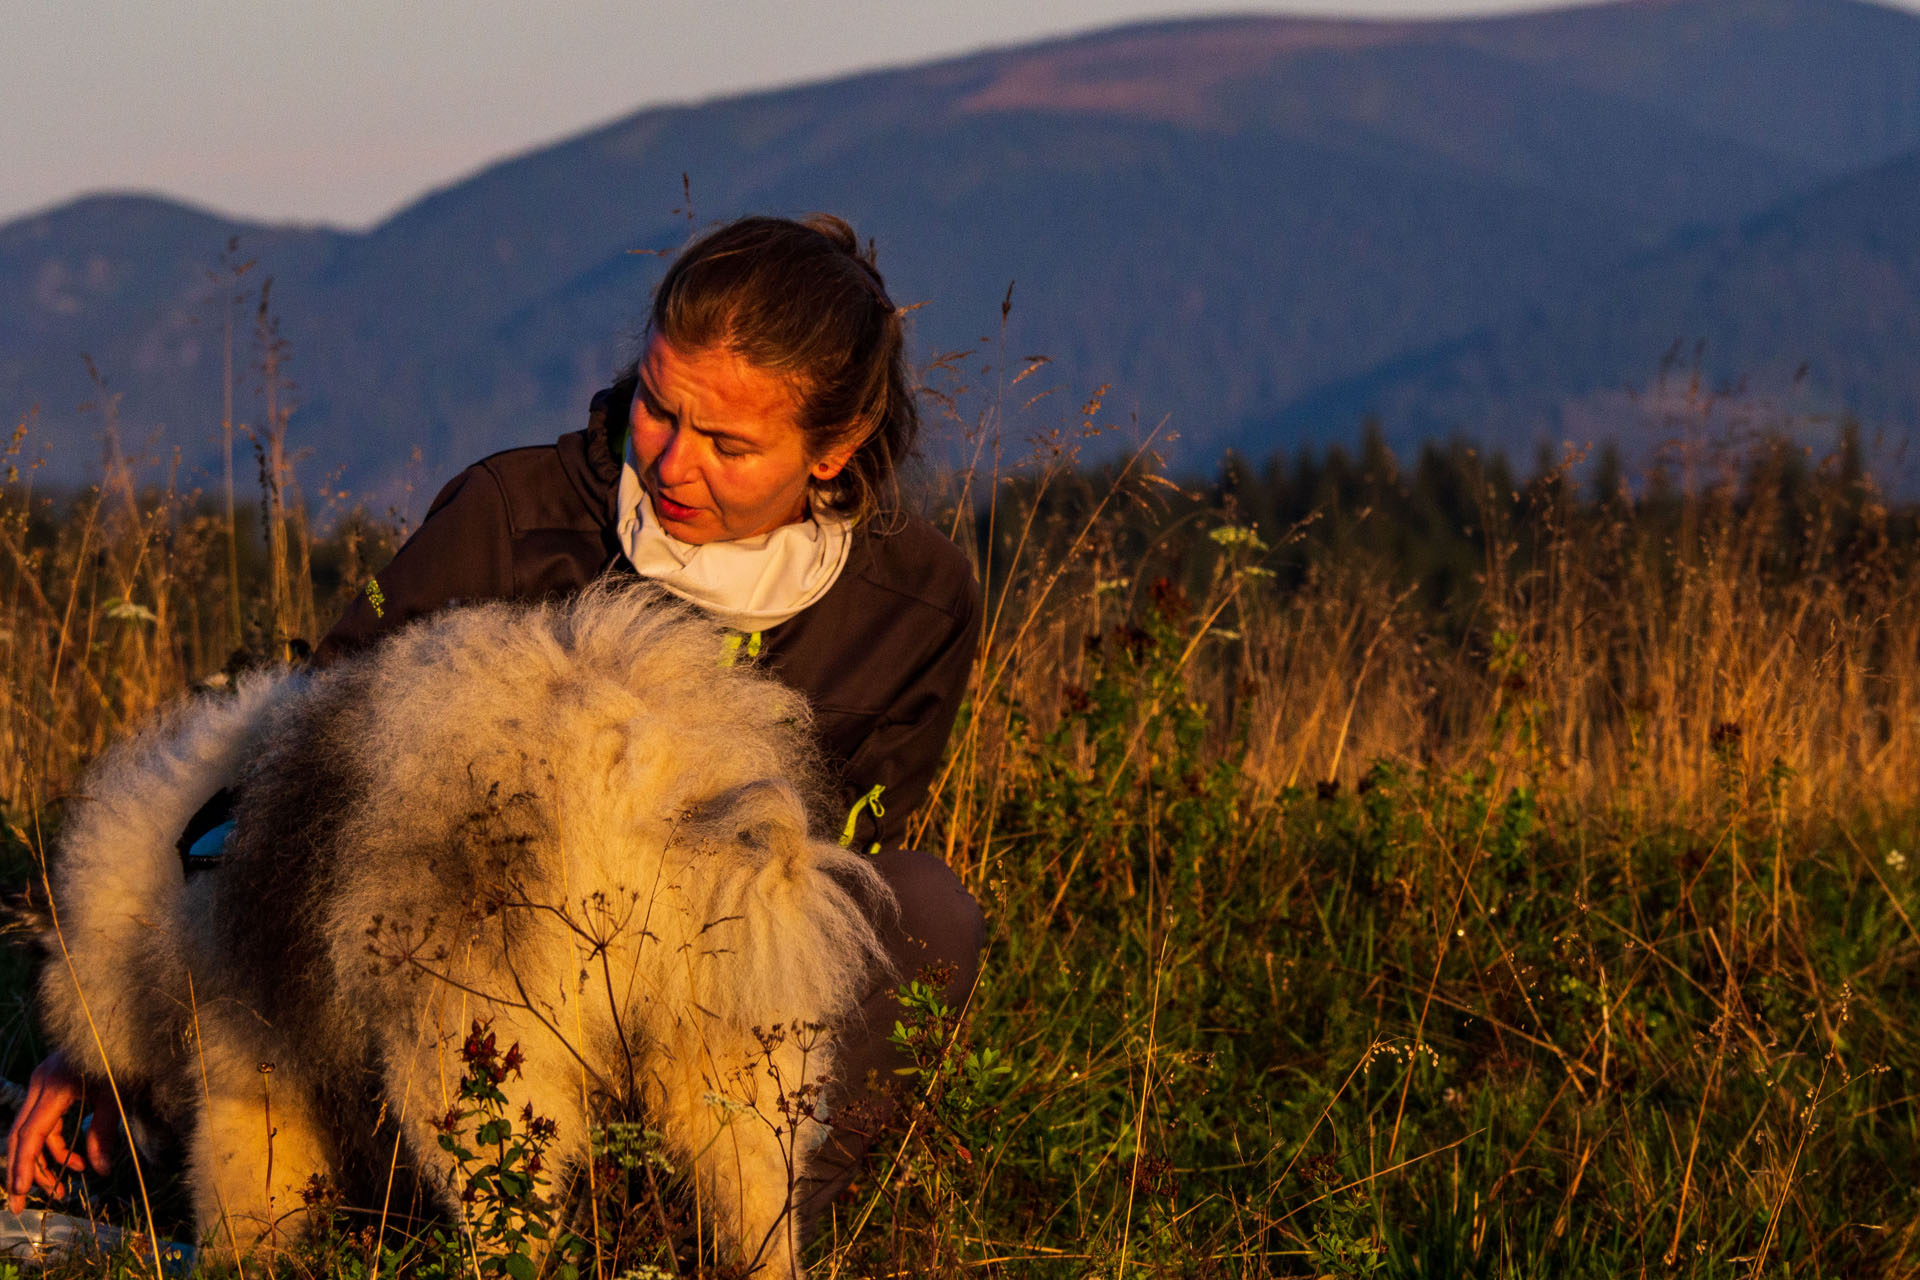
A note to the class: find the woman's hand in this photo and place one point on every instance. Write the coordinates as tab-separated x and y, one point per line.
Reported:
37	1150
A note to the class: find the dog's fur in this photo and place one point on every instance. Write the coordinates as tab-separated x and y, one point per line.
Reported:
571	819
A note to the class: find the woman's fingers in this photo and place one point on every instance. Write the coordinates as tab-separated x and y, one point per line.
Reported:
41	1148
60	1153
36	1137
47	1177
25	1142
15	1167
103	1135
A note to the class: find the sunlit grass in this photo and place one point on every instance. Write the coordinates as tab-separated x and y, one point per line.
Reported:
1556	922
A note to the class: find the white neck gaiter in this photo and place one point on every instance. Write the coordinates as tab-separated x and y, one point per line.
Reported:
749	584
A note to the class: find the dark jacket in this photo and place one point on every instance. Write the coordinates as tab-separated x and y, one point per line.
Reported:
883	657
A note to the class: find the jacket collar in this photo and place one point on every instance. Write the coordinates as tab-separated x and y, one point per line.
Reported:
591	458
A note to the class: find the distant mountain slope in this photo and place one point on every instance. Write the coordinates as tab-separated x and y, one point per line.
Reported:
1777	91
1217	217
123	280
1812	306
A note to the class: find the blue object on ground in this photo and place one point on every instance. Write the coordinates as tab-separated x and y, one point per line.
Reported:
39	1236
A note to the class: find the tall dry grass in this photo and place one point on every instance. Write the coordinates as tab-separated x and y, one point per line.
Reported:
1613	650
1556	923
1342	925
113	600
1618	653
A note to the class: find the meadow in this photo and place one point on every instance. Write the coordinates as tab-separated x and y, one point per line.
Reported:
1393	867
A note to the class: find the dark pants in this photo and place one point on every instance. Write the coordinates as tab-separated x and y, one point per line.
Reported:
939	926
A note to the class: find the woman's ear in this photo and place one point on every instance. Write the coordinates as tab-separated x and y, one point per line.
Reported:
832	462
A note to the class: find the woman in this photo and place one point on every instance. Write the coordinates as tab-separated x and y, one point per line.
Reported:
744	463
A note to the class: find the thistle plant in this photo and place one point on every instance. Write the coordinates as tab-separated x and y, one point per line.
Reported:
513	1222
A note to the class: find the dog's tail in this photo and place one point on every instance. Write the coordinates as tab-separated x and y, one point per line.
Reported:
114	985
800	912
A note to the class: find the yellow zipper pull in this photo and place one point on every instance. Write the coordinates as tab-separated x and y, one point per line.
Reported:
869	802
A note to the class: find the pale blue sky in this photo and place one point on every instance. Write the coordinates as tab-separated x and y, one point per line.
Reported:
340	110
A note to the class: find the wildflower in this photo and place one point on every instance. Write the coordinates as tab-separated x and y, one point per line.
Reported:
540	1128
1896	860
122	610
1169	600
1238	535
478	1051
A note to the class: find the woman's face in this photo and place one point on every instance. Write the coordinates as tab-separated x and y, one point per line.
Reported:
719	444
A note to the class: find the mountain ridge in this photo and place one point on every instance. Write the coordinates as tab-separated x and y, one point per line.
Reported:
1841	265
1346	200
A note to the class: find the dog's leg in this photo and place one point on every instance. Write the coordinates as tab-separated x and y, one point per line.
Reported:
727	1104
423	1070
256	1148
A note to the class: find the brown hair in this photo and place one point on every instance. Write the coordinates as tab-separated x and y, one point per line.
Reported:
802	300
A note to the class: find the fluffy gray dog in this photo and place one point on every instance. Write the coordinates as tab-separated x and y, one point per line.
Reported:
573	820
